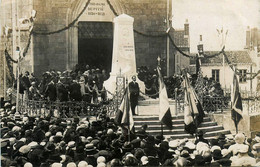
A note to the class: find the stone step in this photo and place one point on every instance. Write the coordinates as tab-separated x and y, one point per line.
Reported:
210	128
157	122
207	135
153	117
177	126
182	131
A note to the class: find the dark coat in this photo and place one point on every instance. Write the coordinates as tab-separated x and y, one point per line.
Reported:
51	91
134	92
62	92
75	93
26	82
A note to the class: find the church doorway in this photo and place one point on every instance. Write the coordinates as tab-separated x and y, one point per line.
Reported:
95	44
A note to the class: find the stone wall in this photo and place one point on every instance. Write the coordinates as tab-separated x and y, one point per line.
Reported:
10	13
51	51
249	125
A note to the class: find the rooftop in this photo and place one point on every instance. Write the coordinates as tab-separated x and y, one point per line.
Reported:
236	57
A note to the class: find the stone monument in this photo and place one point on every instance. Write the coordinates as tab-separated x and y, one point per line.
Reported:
123	59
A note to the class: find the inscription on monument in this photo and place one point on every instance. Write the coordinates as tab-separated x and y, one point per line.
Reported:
128	48
97	10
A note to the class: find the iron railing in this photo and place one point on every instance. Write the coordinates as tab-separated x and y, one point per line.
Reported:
68	109
209	104
213	104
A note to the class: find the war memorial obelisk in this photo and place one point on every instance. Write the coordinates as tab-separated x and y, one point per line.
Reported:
123	60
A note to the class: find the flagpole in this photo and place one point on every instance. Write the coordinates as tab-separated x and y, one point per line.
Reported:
128	115
161	129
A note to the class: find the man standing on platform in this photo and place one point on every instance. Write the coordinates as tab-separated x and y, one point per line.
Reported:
134	93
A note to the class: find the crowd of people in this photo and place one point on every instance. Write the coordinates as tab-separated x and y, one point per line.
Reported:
33	141
76	85
150	77
85	83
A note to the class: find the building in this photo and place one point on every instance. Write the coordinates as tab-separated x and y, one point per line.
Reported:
69	32
246	61
214	68
253	47
182	40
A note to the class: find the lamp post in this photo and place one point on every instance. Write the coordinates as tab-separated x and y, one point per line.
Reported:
22	21
168	41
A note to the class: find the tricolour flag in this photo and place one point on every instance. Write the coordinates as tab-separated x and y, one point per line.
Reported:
236	111
124	115
164	108
193	111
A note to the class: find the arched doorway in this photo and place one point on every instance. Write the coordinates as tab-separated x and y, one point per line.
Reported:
95	44
90	41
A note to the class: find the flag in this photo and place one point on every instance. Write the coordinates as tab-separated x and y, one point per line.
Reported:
124	115
193	111
236	111
164	108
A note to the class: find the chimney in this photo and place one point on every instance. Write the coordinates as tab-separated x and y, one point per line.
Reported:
200	46
248	38
254	37
186	28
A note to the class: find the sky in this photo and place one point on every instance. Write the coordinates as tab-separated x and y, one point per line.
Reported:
206	16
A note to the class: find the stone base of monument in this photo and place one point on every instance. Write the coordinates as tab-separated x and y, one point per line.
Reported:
151	107
111	85
123	57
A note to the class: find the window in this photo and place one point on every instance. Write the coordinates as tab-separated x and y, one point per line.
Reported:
242	75
215	75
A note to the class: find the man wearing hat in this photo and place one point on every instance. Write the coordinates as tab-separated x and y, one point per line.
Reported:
134	93
201	138
26	84
243	159
51	91
33	92
90	150
62	92
75	91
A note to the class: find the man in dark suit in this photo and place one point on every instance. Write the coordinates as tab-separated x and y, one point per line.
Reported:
26	84
62	92
134	93
51	91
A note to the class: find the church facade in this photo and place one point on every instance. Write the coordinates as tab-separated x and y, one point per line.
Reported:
69	32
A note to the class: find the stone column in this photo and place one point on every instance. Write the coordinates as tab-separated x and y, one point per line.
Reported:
123	59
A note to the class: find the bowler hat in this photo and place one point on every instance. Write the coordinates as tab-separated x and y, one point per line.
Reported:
127	146
225	162
222	136
217	155
136	143
150	140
